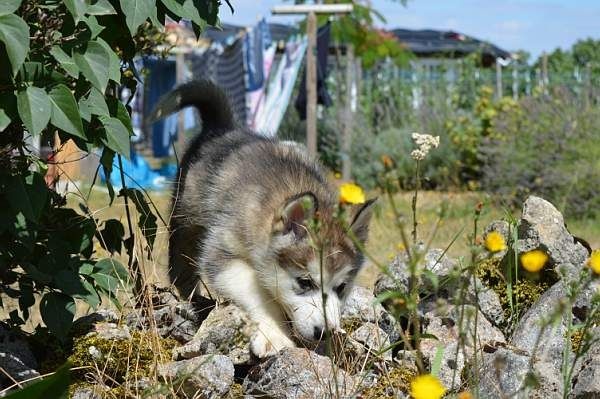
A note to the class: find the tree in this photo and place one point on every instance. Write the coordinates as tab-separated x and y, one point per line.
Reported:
62	63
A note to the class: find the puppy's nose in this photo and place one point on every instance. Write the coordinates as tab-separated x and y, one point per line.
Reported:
318	333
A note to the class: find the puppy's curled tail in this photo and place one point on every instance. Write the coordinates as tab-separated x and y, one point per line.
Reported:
204	95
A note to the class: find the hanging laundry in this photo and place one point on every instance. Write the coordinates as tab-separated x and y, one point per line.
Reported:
161	79
259	55
256	41
323	96
280	88
224	65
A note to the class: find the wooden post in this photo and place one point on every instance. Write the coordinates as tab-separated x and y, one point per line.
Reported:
347	133
498	79
311	84
311	60
179	78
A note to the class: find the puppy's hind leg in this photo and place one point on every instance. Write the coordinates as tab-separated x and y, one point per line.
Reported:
238	281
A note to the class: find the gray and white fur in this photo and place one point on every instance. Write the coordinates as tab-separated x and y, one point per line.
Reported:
243	219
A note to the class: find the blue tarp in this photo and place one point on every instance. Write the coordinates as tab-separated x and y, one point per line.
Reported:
139	174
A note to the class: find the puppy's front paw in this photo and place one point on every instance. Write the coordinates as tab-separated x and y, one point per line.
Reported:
267	343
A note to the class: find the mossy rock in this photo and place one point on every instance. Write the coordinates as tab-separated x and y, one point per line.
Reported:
576	339
389	384
527	289
235	392
120	361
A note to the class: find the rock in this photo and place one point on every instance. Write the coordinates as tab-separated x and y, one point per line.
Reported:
504	373
360	305
296	373
542	227
537	346
174	318
586	383
111	331
16	358
368	340
208	376
87	392
583	302
446	327
227	331
487	300
85	324
551	339
398	275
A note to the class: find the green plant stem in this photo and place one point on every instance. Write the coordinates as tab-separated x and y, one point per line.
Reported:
414	202
133	266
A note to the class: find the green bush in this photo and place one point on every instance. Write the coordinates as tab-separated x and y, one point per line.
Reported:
548	148
62	64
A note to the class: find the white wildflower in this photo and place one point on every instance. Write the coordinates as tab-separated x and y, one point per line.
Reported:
424	143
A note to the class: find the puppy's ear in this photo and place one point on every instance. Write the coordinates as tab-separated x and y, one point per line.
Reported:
296	214
360	217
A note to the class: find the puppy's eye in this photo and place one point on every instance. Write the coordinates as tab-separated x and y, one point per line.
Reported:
339	290
305	283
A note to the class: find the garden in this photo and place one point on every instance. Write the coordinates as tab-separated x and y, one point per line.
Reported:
482	268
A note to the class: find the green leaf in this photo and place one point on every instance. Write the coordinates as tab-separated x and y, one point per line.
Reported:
9	6
58	311
136	12
86	268
107	282
65	112
176	8
147	219
34	108
77	8
37	193
112	267
117	135
14	32
119	111
94	26
111	237
32	72
106	160
65	61
94	104
114	66
102	7
4	120
90	296
55	386
94	63
191	12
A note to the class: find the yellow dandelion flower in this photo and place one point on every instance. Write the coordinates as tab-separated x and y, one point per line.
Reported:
464	395
351	193
494	242
400	246
337	175
426	386
534	261
594	261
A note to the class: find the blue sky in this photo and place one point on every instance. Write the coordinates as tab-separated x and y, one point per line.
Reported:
532	25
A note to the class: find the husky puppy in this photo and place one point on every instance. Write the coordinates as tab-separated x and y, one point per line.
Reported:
242	215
